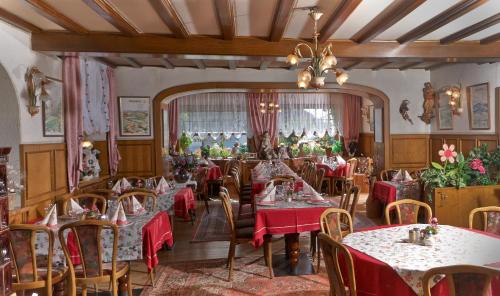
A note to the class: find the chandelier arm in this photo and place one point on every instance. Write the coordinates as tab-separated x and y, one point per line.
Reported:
328	69
297	49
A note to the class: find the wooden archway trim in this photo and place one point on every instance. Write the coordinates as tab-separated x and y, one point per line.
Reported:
349	88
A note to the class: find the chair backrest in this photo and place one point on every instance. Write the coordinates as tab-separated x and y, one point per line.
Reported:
229	165
349	201
22	248
463	280
386	175
235	173
490	221
87	236
320	176
136	181
331	222
353	164
331	251
201	179
228	209
407	211
87	200
146	198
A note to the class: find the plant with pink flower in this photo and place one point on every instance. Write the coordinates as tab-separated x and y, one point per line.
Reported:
477	165
448	153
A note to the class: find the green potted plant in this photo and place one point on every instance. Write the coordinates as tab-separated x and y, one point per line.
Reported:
184	142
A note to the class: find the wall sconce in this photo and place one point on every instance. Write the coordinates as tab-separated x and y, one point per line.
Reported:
36	83
454	93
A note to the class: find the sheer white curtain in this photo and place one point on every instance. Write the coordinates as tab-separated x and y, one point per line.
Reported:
213	113
95	96
312	112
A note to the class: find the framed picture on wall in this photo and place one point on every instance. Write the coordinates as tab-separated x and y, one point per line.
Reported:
135	116
478	103
53	110
444	113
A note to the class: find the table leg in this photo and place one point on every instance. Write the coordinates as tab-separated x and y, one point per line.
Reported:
122	285
292	248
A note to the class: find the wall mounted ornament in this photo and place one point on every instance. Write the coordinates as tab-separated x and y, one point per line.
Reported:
36	82
429	102
404	109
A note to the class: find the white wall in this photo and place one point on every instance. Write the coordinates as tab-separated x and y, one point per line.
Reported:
397	85
16	56
467	75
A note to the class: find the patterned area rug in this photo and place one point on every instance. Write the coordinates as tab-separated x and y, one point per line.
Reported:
250	277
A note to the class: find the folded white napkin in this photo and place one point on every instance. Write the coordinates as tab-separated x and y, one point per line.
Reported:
51	219
136	206
117	187
119	217
162	186
125	185
407	176
270	196
341	161
74	207
399	176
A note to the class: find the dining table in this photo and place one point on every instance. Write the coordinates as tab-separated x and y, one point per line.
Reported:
385	263
390	191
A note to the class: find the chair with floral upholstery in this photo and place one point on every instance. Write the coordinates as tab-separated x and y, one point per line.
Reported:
87	200
490	221
336	223
147	198
331	251
93	270
407	211
463	280
135	181
387	175
29	273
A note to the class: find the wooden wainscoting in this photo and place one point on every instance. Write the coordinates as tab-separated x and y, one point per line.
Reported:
366	143
463	143
138	158
409	151
45	172
102	146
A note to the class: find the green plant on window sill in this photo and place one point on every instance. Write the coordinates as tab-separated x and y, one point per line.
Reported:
184	142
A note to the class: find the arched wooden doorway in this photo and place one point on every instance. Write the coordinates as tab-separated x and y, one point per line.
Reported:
379	99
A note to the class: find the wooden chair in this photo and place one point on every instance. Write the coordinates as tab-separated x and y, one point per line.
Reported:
407	211
201	188
242	235
146	198
386	175
93	270
136	181
28	274
463	280
336	223
349	201
347	180
229	165
244	196
87	200
331	251
491	218
320	176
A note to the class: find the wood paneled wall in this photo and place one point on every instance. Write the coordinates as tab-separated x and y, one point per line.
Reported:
138	158
45	172
366	144
409	150
463	143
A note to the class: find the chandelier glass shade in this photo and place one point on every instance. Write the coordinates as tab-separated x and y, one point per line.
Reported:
454	100
321	60
269	106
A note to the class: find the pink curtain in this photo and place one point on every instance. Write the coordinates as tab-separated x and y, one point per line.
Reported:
113	153
173	123
261	122
352	119
73	123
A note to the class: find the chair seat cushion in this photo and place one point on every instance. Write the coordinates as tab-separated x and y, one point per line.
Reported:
245	232
247	222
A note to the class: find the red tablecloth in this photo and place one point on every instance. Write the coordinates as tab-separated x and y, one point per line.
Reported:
338	172
283	221
384	192
214	173
154	234
183	202
373	277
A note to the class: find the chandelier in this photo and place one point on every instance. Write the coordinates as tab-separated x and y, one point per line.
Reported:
322	60
269	106
454	93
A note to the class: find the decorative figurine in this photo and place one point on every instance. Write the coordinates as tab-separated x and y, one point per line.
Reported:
282	152
403	110
90	164
266	150
429	101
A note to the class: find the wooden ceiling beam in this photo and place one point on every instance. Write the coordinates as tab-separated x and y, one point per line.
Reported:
133	62
166	63
113	16
479	26
490	39
166	11
57	43
17	21
409	66
338	17
381	66
105	61
57	17
352	65
436	66
282	15
384	20
227	18
200	64
441	19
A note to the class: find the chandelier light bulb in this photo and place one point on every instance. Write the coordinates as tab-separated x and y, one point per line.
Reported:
330	60
452	103
263	110
302	84
455	95
292	59
271	105
305	75
342	77
449	92
262	104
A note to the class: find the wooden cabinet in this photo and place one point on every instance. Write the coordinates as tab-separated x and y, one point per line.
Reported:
452	206
5	262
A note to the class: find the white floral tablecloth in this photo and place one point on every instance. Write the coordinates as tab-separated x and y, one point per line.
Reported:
451	246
